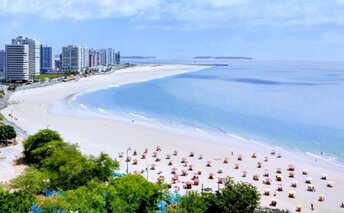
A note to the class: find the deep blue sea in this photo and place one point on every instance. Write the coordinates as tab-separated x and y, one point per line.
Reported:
291	104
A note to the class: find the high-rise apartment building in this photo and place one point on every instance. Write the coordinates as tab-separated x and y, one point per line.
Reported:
2	60
47	59
17	63
34	54
75	58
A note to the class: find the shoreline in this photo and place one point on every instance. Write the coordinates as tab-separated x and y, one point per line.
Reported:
113	136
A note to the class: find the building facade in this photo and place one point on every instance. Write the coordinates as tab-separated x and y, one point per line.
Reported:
2	60
47	59
34	54
75	58
17	63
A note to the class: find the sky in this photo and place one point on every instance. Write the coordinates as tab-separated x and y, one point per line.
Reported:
263	29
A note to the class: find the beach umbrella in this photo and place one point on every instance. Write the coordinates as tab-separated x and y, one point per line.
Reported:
323	176
184	160
145	151
208	163
291	167
267	181
292	194
254	155
168	156
135	161
279	187
279	155
273	152
158	149
191	154
298	208
294	183
220	171
310	187
279	170
266	159
256	177
308	180
161	178
135	153
170	163
273	202
211	175
196	182
154	154
259	164
190	167
143	156
236	166
225	160
267	191
128	159
184	173
330	184
199	171
279	177
291	174
175	152
305	172
152	166
321	197
244	173
220	180
200	157
195	176
266	173
240	158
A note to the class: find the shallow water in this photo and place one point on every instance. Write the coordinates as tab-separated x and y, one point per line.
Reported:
298	105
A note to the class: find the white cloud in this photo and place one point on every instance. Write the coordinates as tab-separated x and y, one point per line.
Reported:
187	14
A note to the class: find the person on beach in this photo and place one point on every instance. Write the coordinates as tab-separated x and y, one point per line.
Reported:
312	207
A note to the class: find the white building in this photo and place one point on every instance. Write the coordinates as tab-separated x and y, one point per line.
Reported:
17	63
75	58
34	54
47	59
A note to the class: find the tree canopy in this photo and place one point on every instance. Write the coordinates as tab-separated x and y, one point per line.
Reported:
7	133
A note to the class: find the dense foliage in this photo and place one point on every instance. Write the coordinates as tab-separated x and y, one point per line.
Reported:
7	133
234	197
18	201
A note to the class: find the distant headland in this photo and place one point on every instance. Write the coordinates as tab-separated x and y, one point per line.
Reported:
223	57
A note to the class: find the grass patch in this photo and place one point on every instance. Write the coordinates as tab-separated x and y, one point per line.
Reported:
49	76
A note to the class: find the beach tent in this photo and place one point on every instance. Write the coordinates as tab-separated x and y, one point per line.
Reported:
117	174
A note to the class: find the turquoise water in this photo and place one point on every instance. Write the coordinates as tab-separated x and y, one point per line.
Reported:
298	105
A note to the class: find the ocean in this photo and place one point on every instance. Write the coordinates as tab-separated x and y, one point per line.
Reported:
290	104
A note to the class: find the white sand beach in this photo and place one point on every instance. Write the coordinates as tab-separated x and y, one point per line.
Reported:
95	134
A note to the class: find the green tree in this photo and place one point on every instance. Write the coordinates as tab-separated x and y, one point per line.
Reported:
32	181
18	201
234	197
192	202
89	198
133	193
39	154
38	140
68	168
104	166
7	133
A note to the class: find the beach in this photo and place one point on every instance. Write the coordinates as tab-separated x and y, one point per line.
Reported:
95	134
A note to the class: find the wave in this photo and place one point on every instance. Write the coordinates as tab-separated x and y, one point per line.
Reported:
139	116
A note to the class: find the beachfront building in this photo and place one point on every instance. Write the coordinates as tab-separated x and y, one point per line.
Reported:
47	59
117	58
34	54
2	60
75	58
2	64
103	57
17	63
